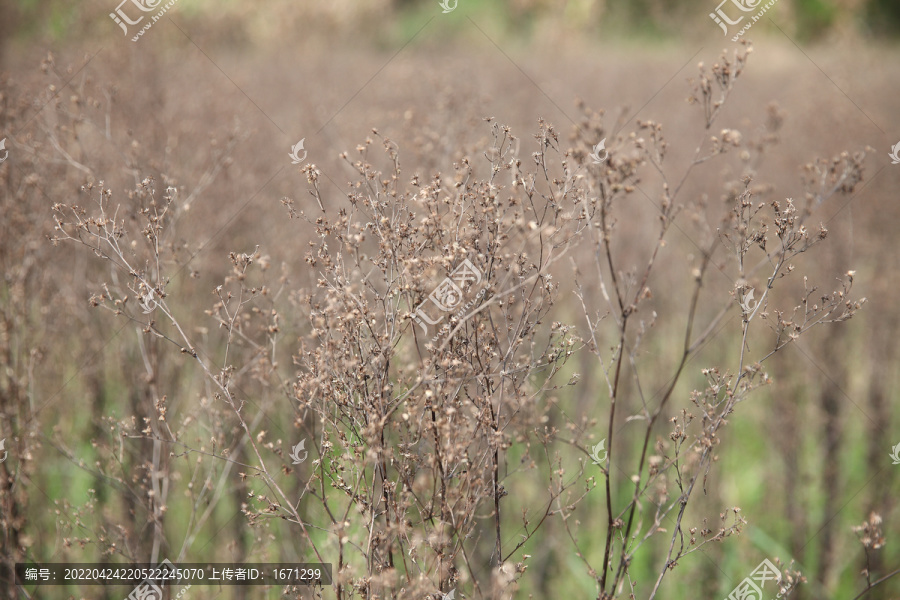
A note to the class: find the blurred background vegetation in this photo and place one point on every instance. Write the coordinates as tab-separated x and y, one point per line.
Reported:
806	462
235	21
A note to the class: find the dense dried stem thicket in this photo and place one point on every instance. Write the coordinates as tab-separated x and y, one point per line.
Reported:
433	350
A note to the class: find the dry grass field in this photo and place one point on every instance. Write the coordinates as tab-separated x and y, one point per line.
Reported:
450	345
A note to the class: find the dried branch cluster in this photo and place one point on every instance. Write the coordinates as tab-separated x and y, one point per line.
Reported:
431	441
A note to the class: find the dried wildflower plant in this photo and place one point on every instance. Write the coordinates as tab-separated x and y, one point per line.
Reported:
871	536
762	240
427	439
415	427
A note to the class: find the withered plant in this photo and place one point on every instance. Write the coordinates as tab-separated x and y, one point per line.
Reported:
433	352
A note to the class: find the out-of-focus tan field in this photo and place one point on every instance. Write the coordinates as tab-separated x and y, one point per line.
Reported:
123	442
